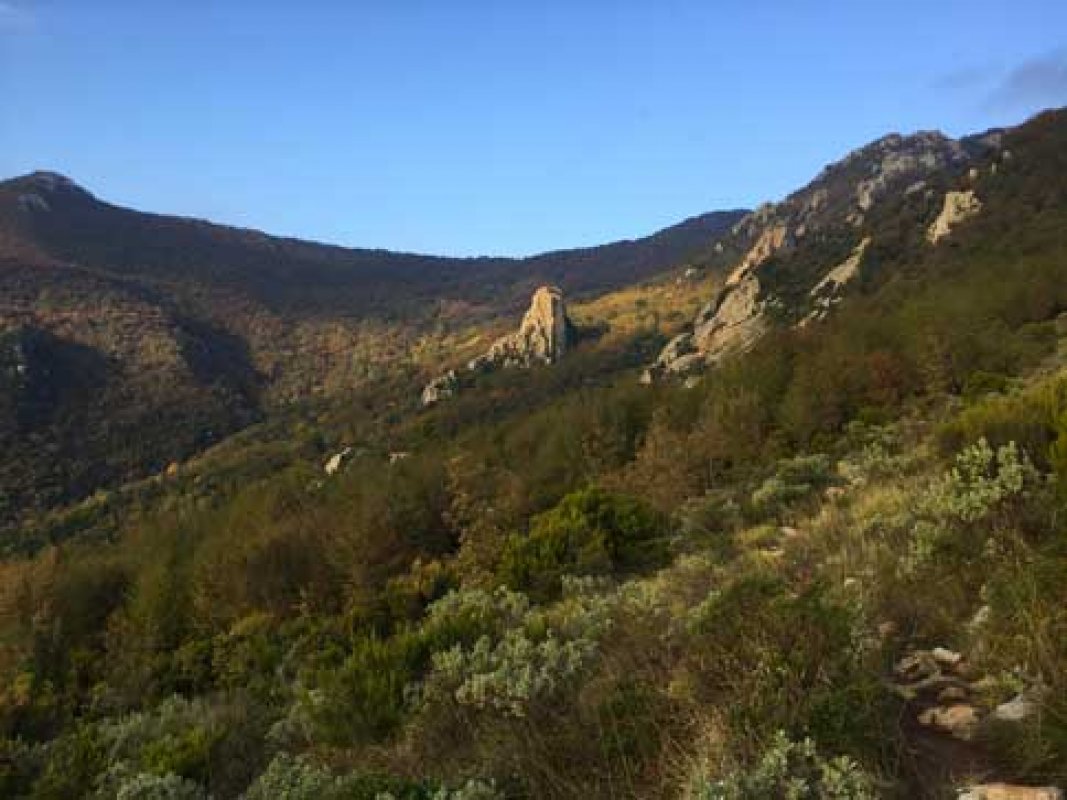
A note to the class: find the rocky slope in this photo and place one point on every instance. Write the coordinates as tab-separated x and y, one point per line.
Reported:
772	276
544	336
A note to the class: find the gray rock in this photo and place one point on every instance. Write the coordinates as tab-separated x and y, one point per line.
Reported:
1018	709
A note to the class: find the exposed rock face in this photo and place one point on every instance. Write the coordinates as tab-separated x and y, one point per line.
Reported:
771	241
679	357
827	292
540	339
737	322
959	207
841	198
543	337
440	388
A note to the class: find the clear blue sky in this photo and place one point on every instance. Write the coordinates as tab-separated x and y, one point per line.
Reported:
495	126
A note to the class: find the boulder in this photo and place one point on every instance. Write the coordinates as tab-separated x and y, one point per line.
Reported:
337	461
440	388
1018	709
960	719
1005	791
946	657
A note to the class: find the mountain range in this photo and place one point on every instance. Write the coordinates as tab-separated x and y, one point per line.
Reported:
132	340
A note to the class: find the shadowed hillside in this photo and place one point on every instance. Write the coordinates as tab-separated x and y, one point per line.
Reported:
197	329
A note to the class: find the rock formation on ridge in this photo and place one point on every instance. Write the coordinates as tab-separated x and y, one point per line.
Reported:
834	208
543	337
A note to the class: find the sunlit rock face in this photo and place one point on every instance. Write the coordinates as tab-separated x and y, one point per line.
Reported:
544	337
959	207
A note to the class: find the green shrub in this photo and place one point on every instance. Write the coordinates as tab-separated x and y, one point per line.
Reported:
774	660
794	479
526	662
983	481
72	763
363	700
295	778
590	532
1026	420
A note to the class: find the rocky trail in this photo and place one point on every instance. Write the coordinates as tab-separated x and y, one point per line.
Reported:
947	719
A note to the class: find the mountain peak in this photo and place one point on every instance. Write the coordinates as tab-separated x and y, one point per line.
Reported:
47	182
39	191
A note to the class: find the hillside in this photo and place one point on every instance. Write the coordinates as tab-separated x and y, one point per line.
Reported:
149	338
828	565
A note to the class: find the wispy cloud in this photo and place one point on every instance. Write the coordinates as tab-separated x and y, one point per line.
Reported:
970	77
1040	81
14	18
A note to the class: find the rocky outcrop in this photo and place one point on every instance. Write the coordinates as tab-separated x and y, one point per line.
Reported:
544	337
827	292
958	207
440	388
737	322
771	241
843	196
335	463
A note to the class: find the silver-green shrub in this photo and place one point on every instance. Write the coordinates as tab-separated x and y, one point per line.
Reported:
146	786
791	771
981	480
536	654
294	778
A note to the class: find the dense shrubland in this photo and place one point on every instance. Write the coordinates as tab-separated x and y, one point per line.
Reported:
577	587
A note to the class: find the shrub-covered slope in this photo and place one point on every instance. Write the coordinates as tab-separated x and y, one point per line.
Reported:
831	569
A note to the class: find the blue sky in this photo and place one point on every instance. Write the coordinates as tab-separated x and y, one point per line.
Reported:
471	126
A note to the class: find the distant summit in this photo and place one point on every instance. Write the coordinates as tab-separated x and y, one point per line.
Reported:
39	191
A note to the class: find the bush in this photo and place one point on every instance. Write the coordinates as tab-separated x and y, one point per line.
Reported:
362	701
527	662
590	532
794	479
295	778
774	660
1026	420
148	786
983	481
793	770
